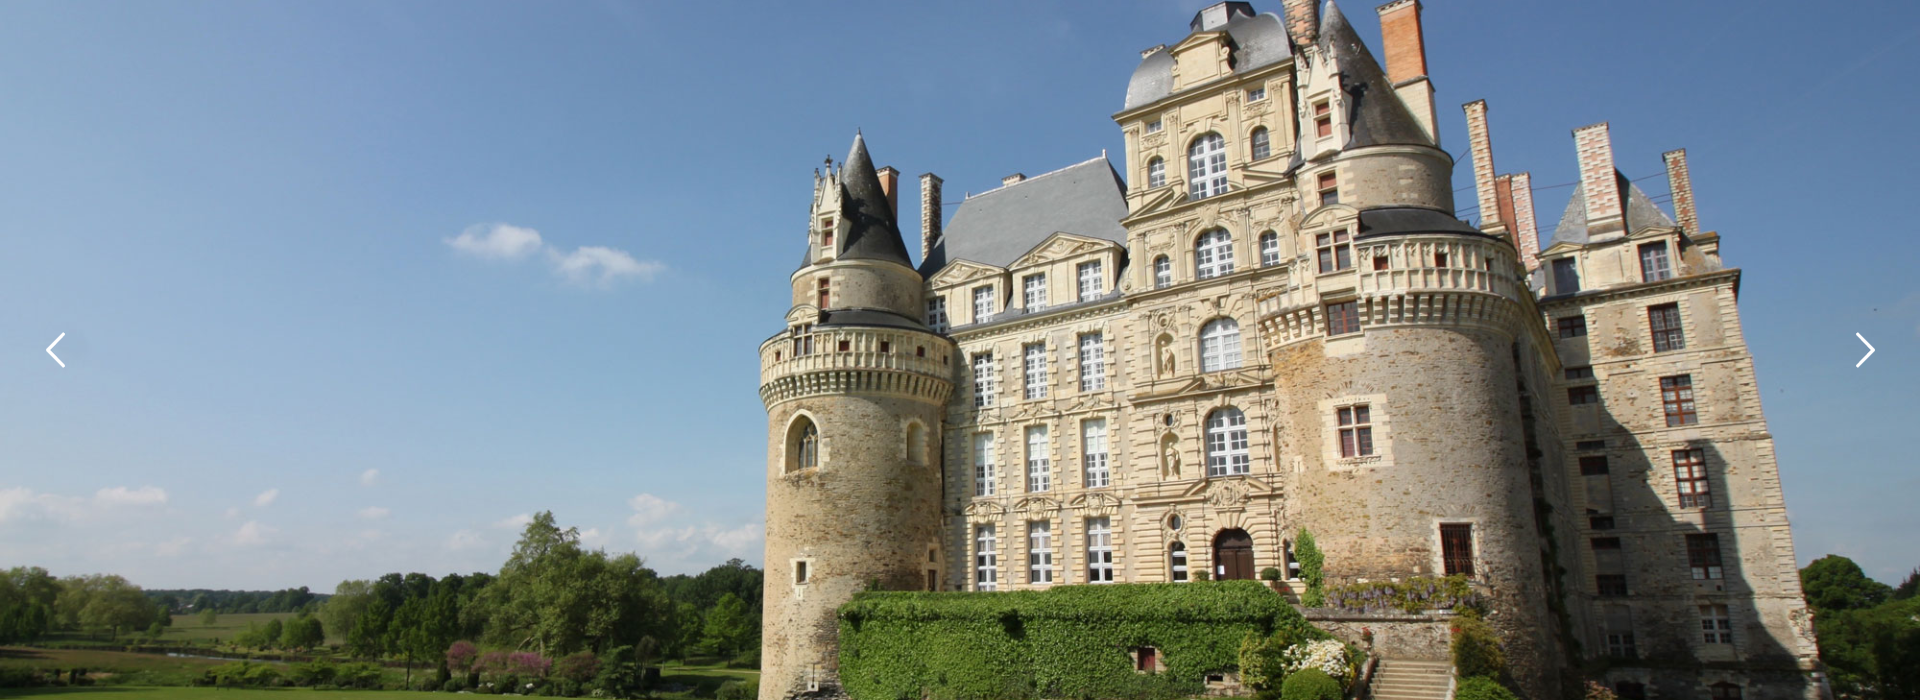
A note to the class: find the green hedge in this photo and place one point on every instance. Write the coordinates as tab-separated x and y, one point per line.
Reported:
1067	642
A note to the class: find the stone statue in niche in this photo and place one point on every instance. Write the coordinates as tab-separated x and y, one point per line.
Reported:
1170	457
1164	349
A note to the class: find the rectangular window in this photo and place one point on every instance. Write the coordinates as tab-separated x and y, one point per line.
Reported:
983	464
1036	365
1456	548
1093	446
983	306
1593	465
1619	627
1716	626
1322	119
1099	550
1676	394
1334	250
1380	262
1039	552
1600	522
937	314
802	336
1575	374
1039	468
1257	94
826	235
1034	291
1653	262
1703	556
1665	321
1093	282
1439	259
826	291
1093	362
1583	395
1153	127
1329	189
1343	318
1690	477
1269	249
1566	276
1590	445
985	384
1356	430
1610	585
799	573
986	559
1571	326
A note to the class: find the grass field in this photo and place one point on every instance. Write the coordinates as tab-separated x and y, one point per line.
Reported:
187	628
142	693
103	661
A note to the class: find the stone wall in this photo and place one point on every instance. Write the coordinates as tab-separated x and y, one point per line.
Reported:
1426	637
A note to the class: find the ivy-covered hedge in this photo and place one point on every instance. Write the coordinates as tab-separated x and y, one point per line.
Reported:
1067	642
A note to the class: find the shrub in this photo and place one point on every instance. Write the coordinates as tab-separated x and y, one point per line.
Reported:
738	690
1481	688
453	685
747	659
1308	553
313	673
461	654
1311	684
1327	656
1270	574
619	676
1412	595
578	667
1476	650
359	674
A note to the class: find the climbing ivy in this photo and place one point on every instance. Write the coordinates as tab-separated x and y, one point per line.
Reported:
1069	642
1311	560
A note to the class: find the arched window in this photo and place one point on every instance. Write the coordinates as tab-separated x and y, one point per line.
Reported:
1227	443
1156	173
1213	254
803	445
1207	167
1162	272
1220	345
1262	146
1178	555
1269	249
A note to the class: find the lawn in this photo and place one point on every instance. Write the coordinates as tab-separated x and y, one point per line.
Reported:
187	628
158	668
142	693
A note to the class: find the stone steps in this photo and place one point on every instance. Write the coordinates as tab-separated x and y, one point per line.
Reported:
1402	679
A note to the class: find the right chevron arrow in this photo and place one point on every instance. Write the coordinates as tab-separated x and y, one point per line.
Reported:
1863	358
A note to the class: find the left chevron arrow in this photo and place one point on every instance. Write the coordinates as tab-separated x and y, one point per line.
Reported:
56	358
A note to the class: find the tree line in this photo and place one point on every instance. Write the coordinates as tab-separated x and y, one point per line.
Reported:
34	604
1869	632
198	600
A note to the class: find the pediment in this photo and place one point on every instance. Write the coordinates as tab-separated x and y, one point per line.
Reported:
804	313
963	271
1060	246
985	511
1096	503
1034	506
1329	215
1560	247
1160	198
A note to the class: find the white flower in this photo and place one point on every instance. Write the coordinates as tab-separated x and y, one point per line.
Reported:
1328	655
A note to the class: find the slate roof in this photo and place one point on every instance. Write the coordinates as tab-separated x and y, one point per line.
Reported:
1375	115
996	228
872	233
1259	40
1388	221
1642	214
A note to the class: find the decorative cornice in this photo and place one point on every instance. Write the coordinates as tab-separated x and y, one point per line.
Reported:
1583	297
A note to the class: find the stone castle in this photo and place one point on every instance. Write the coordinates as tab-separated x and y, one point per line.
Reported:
1269	320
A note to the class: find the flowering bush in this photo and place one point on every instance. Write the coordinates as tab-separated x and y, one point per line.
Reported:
1412	595
491	663
460	656
579	667
1327	655
528	663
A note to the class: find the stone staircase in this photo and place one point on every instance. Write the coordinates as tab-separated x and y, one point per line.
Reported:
1407	679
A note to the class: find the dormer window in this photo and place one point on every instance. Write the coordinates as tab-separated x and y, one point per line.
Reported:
937	313
1034	288
826	234
1257	94
826	292
1322	119
1654	265
982	303
1207	167
1329	188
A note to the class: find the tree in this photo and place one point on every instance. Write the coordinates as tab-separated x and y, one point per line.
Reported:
730	629
104	603
342	612
556	597
209	617
1834	582
1909	587
368	638
303	631
27	598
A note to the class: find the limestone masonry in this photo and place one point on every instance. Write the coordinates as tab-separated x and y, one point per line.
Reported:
1271	319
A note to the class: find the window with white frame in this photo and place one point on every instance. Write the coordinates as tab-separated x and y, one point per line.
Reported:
1257	94
1033	290
983	304
1156	173
1153	127
1039	552
1092	282
937	313
986	559
1356	430
983	464
1039	468
1207	167
1093	362
985	384
1093	451
1654	265
1335	251
1227	443
1269	249
1262	145
1177	554
1220	345
1099	550
1162	272
1213	254
1716	626
1035	355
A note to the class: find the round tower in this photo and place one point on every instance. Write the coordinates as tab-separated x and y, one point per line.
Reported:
855	389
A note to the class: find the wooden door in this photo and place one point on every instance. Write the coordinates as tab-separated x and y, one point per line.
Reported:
1233	556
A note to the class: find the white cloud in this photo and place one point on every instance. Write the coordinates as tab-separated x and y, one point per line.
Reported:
601	265
233	512
687	540
21	503
514	523
252	533
373	513
266	497
649	509
369	476
172	547
465	539
593	538
123	496
496	241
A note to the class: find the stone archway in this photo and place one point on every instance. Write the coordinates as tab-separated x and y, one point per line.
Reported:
1233	555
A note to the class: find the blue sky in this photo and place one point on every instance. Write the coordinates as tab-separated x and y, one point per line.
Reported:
286	366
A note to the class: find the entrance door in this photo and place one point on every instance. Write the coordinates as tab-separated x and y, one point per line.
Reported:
1233	556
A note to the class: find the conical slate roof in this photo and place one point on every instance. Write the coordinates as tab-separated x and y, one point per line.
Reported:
1642	213
872	233
1375	115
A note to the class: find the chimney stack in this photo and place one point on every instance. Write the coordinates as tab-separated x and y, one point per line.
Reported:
1523	225
1682	186
929	214
890	184
1599	181
1406	57
1503	195
1303	21
1481	145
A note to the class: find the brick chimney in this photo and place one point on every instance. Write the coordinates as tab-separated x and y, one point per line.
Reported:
929	214
1682	186
1406	54
1599	181
890	184
1303	21
1523	225
1481	145
1503	194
